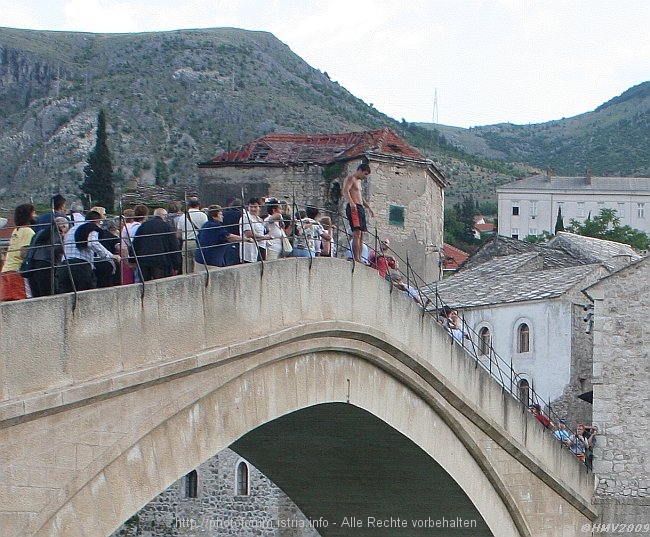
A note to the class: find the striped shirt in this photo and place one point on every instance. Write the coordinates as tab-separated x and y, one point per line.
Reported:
71	251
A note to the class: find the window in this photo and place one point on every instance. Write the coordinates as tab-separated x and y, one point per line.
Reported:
242	484
484	341
192	485
515	210
524	391
515	233
523	338
581	210
533	209
640	210
396	215
533	231
620	211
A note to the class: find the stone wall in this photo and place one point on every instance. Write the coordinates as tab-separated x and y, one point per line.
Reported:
306	182
576	410
621	387
218	510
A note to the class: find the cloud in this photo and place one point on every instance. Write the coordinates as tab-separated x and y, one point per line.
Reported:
490	60
19	14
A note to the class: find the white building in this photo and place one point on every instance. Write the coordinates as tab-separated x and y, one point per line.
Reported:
530	206
527	302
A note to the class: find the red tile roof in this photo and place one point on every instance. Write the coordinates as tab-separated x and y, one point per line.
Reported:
485	228
453	257
321	149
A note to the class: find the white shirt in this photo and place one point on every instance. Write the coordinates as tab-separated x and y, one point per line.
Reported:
185	221
78	218
128	232
276	231
248	250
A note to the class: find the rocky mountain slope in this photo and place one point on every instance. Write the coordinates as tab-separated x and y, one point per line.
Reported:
177	97
173	99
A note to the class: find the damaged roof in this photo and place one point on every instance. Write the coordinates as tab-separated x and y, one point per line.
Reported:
453	257
321	149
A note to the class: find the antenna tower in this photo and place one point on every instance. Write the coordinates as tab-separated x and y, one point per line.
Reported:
435	106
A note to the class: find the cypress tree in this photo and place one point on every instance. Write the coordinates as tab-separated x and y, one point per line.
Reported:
162	173
559	223
98	172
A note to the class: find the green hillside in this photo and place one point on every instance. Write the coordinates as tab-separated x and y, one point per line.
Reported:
613	140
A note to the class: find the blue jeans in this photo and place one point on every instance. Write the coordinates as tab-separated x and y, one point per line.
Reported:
303	252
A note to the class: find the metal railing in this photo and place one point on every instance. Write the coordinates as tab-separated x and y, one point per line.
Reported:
480	351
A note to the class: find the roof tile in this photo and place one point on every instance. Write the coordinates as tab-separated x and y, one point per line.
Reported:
279	148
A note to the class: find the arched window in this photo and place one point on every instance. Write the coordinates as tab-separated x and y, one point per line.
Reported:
524	391
192	485
523	338
484	341
242	479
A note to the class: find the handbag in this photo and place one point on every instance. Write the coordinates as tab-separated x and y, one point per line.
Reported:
286	245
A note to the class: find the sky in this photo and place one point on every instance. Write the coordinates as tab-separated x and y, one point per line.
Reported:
455	62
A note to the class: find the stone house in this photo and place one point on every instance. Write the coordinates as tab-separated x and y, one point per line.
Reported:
527	301
226	495
406	190
621	382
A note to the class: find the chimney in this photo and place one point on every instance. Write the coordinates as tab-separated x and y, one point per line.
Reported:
550	172
588	176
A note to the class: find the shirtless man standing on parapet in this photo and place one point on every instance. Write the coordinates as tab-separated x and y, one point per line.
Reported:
355	209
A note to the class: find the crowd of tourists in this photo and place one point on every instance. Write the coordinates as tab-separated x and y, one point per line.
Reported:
64	250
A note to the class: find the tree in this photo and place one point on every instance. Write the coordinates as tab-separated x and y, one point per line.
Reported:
459	224
537	239
162	173
559	223
466	212
98	172
607	225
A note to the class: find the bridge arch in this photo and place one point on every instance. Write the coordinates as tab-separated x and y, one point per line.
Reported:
363	351
329	383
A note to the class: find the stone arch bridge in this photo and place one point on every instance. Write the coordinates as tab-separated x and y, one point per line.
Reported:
355	403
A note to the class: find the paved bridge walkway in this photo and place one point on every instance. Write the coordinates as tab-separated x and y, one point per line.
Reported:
343	393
